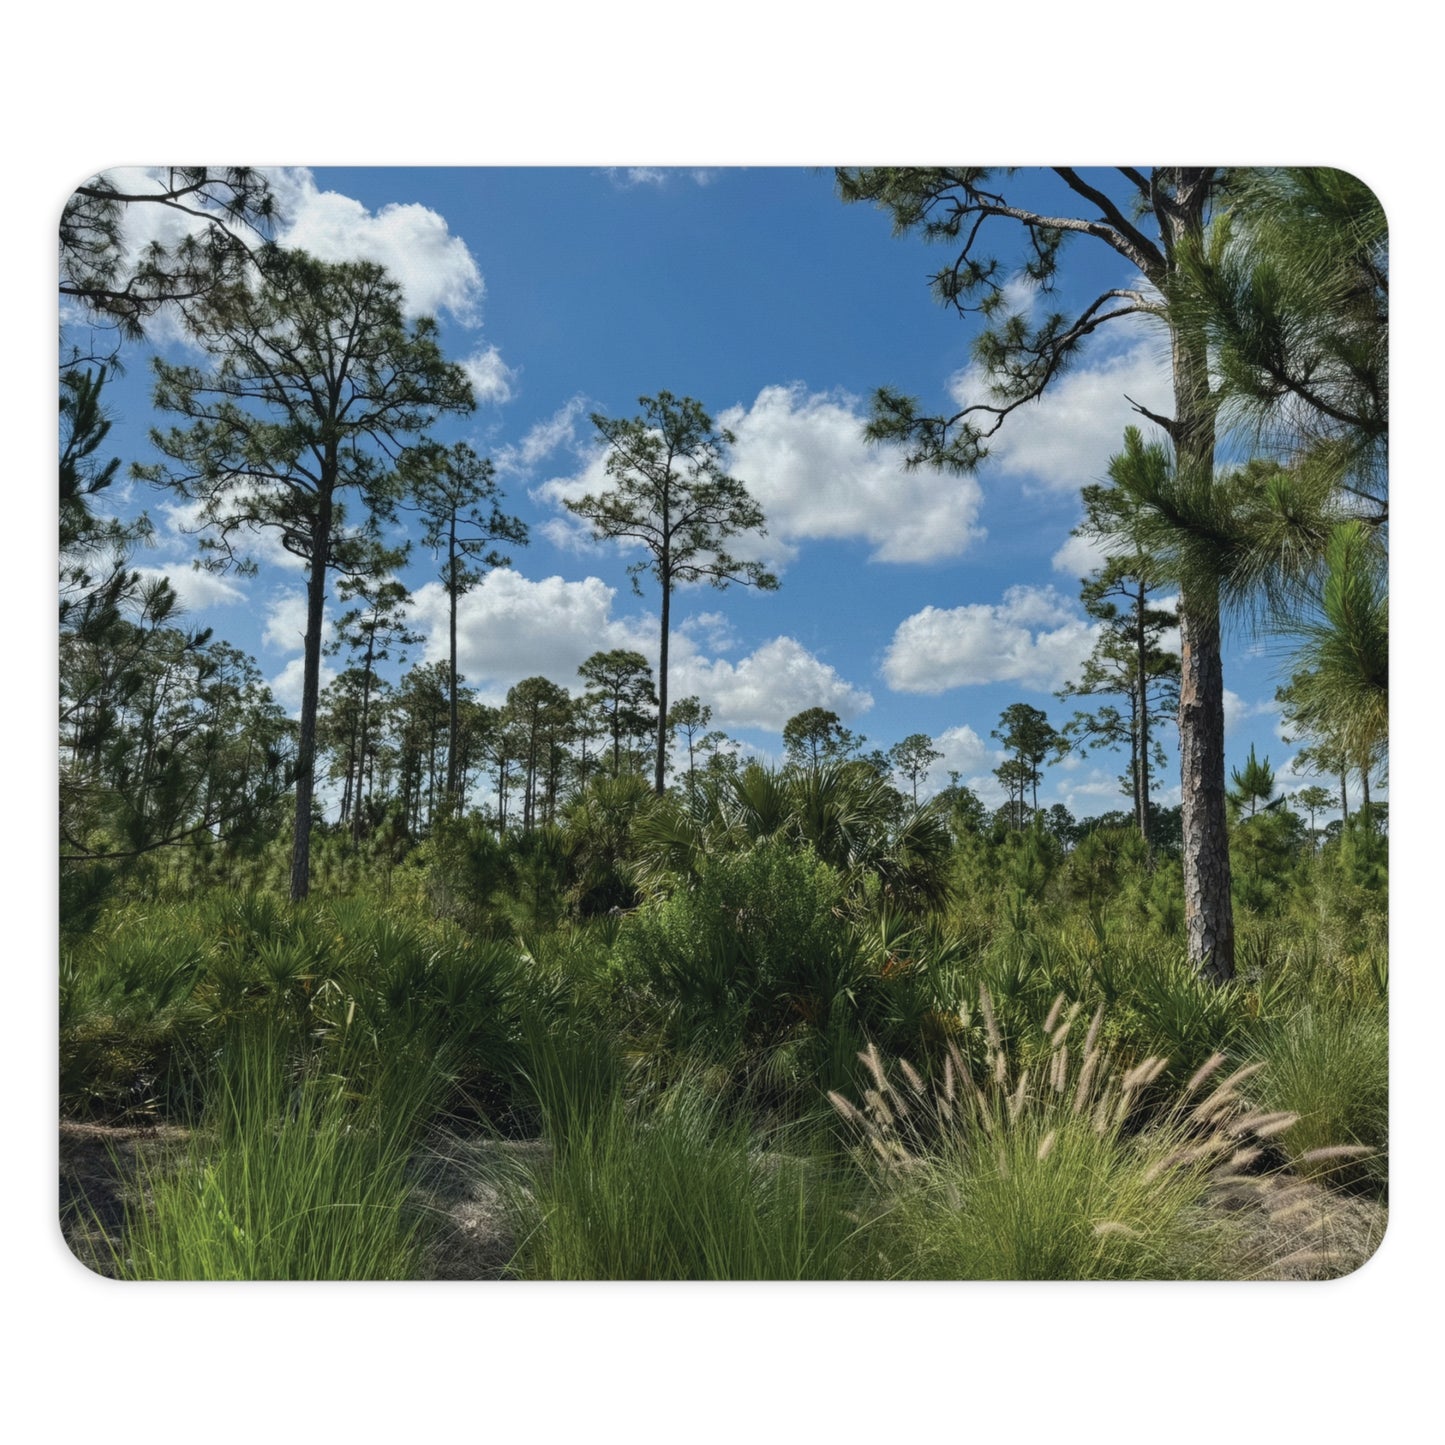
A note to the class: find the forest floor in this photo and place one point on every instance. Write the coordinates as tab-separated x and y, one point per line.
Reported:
459	1181
1294	1230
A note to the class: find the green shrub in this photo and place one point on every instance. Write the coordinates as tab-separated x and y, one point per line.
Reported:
755	956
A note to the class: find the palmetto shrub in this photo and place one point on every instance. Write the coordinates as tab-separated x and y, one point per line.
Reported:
144	1003
129	1011
842	812
755	962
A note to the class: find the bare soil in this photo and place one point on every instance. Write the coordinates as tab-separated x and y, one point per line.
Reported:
100	1169
459	1182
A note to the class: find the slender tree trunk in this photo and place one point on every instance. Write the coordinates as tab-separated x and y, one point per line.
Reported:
658	779
452	659
310	695
1141	771
356	820
351	789
501	793
431	773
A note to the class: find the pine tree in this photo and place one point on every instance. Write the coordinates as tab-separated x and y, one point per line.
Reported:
457	495
690	716
1128	658
816	736
314	388
1253	785
669	493
620	693
913	757
1027	732
1155	222
375	630
228	211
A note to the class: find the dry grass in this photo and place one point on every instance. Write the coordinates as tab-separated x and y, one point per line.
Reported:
1077	1167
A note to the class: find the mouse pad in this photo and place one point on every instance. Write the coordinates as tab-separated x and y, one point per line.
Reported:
723	724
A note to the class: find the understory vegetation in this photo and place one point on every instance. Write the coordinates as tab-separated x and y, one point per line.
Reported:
771	1064
540	977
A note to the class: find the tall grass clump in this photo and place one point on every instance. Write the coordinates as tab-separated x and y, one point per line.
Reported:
1049	1171
671	1189
1329	1065
291	1173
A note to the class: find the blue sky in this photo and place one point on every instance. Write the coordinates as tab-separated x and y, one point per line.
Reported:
757	84
911	602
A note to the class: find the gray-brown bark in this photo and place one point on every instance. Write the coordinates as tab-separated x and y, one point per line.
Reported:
1208	905
1208	916
310	697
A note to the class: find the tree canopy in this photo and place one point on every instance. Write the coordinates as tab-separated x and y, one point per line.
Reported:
670	495
314	387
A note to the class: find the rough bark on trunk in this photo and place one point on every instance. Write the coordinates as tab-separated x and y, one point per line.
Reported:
452	659
310	696
1208	905
658	781
1141	764
1209	917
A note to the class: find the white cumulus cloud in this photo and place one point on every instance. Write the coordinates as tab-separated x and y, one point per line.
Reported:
1033	637
1079	557
285	625
436	270
713	628
185	520
964	753
628	177
1065	439
288	684
766	688
510	627
1236	710
803	457
544	438
491	378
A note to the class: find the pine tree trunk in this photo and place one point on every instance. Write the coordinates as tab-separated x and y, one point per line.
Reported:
452	660
1208	913
1208	905
356	821
310	696
658	780
1141	730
